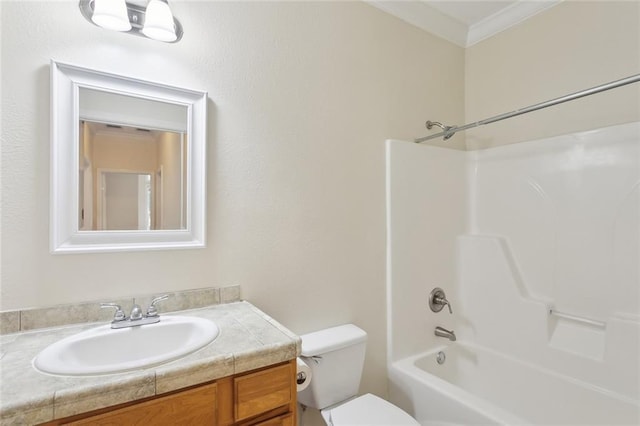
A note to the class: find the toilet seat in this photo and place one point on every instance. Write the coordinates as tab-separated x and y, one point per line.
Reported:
370	410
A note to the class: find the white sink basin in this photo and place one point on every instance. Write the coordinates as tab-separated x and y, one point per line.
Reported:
103	350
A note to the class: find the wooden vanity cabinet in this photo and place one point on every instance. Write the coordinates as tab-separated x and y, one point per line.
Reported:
195	406
264	397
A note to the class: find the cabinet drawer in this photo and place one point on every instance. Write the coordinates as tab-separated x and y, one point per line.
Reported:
286	420
259	392
192	407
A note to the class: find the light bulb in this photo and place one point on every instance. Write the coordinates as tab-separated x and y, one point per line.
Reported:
111	14
158	22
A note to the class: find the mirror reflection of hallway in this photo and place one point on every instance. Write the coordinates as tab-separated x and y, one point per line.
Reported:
131	178
125	201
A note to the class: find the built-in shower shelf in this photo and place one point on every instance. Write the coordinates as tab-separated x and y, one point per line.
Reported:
577	318
580	336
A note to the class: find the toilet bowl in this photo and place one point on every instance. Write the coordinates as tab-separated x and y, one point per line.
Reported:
367	410
336	359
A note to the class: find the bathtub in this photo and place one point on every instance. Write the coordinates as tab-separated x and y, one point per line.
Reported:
475	385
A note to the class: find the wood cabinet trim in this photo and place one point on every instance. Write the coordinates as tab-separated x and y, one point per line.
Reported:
193	406
262	391
224	394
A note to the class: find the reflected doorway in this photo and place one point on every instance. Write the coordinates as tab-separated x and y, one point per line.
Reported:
125	201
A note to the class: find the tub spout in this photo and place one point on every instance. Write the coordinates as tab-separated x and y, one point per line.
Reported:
443	332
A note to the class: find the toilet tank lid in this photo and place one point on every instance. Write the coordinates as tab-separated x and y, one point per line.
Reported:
331	339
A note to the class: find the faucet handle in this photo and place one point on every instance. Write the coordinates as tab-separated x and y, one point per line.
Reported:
119	315
437	300
444	301
152	311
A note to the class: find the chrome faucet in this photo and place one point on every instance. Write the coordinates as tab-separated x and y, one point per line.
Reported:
443	332
152	311
438	300
120	319
136	312
119	315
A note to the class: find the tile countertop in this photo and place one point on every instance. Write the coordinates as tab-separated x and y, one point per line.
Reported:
248	339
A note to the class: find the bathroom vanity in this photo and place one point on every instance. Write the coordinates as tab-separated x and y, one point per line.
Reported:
246	376
264	397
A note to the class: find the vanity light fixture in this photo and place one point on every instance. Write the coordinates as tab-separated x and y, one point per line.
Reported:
111	14
146	18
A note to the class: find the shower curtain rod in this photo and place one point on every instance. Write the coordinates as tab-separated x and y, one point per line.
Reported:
448	131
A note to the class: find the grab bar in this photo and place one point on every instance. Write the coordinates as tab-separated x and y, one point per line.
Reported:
576	318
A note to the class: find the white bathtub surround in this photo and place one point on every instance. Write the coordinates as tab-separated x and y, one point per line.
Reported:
476	385
501	314
541	269
427	204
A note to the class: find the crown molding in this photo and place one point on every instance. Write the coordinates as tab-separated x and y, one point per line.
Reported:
425	17
421	15
508	17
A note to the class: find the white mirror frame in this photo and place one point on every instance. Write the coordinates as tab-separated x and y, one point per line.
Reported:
65	236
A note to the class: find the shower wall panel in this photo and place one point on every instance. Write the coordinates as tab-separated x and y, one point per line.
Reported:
569	209
550	270
427	206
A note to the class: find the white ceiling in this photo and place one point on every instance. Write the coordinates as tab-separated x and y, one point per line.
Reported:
463	22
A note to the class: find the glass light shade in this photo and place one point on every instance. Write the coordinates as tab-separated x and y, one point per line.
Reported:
158	22
111	14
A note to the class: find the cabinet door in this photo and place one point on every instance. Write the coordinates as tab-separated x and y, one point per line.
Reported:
286	420
265	390
192	407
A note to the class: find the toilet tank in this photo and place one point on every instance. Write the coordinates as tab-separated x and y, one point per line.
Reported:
336	358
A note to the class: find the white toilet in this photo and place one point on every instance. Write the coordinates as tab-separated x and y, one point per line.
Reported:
336	358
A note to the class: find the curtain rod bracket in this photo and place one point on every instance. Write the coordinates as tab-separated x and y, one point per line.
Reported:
447	131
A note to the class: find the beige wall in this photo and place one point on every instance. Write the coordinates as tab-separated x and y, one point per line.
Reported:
573	46
302	97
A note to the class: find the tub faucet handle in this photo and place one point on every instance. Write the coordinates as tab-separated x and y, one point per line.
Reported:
444	301
438	300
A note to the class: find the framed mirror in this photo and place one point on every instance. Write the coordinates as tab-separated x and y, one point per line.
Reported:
128	163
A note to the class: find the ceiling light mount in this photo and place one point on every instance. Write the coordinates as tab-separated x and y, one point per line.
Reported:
146	18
